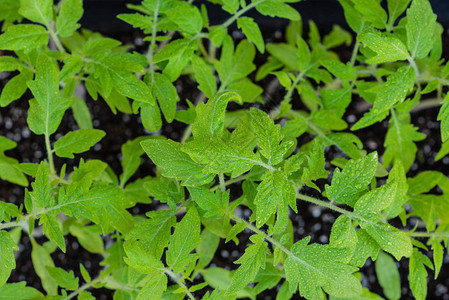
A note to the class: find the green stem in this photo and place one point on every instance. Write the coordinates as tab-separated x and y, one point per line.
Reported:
414	66
236	15
153	41
49	154
427	234
179	282
82	288
326	204
55	38
222	182
13	224
355	51
267	237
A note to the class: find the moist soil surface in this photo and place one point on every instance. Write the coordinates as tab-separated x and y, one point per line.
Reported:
311	220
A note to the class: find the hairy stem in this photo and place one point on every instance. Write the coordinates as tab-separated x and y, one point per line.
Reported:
179	282
49	154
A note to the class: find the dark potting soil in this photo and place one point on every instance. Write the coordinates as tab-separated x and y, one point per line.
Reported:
311	220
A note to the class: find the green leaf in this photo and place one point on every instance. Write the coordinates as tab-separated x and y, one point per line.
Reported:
9	63
250	262
420	28
64	279
70	13
41	259
347	142
443	116
372	12
53	229
77	142
48	107
274	193
397	175
137	20
140	259
396	8
185	238
151	117
166	95
154	288
418	275
368	209
175	164
165	190
273	8
9	167
186	16
353	17
88	238
318	267
132	152
39	11
8	211
288	55
366	247
42	193
9	11
207	200
399	141
209	121
338	36
221	157
7	259
204	77
388	276
252	32
19	290
236	65
438	253
269	137
388	48
206	248
81	114
15	87
104	205
343	236
357	174
393	91
24	37
72	65
154	233
230	6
